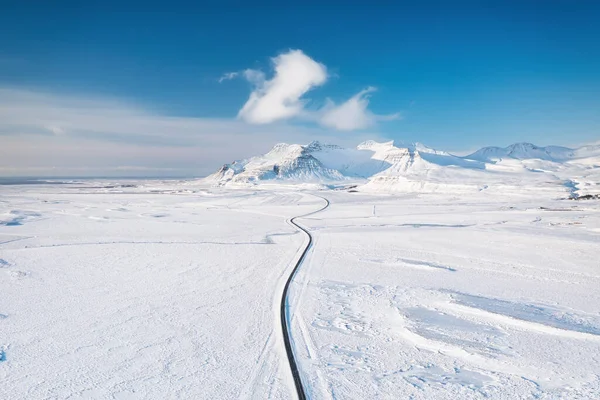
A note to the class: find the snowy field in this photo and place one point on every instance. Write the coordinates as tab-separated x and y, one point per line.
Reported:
156	290
431	297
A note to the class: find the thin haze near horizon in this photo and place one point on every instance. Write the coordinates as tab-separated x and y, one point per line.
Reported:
114	90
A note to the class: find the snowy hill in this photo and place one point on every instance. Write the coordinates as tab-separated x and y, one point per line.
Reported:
528	151
386	167
592	150
523	151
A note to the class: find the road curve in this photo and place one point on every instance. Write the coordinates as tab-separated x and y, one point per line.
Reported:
287	336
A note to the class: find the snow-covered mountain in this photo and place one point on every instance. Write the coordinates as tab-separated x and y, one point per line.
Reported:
415	167
528	151
319	162
292	162
523	151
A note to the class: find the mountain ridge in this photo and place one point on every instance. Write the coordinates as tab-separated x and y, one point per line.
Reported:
385	166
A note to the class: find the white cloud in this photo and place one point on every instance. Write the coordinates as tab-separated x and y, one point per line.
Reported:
253	76
57	130
353	114
54	134
281	97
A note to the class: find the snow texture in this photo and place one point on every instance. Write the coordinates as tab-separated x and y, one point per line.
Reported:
171	289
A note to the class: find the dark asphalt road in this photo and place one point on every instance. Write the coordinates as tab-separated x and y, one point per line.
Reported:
284	309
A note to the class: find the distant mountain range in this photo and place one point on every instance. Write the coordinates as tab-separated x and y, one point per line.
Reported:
385	167
528	151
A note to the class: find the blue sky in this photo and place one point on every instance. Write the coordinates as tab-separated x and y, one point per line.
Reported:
106	88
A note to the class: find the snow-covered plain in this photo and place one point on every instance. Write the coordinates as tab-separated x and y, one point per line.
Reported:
135	290
437	297
143	292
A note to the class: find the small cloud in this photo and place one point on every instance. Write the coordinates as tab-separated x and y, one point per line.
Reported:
353	114
281	97
254	76
56	130
228	76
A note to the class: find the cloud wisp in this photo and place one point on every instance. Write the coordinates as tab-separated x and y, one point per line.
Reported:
228	76
353	114
282	96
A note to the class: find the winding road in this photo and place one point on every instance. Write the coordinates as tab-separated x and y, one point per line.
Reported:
284	304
